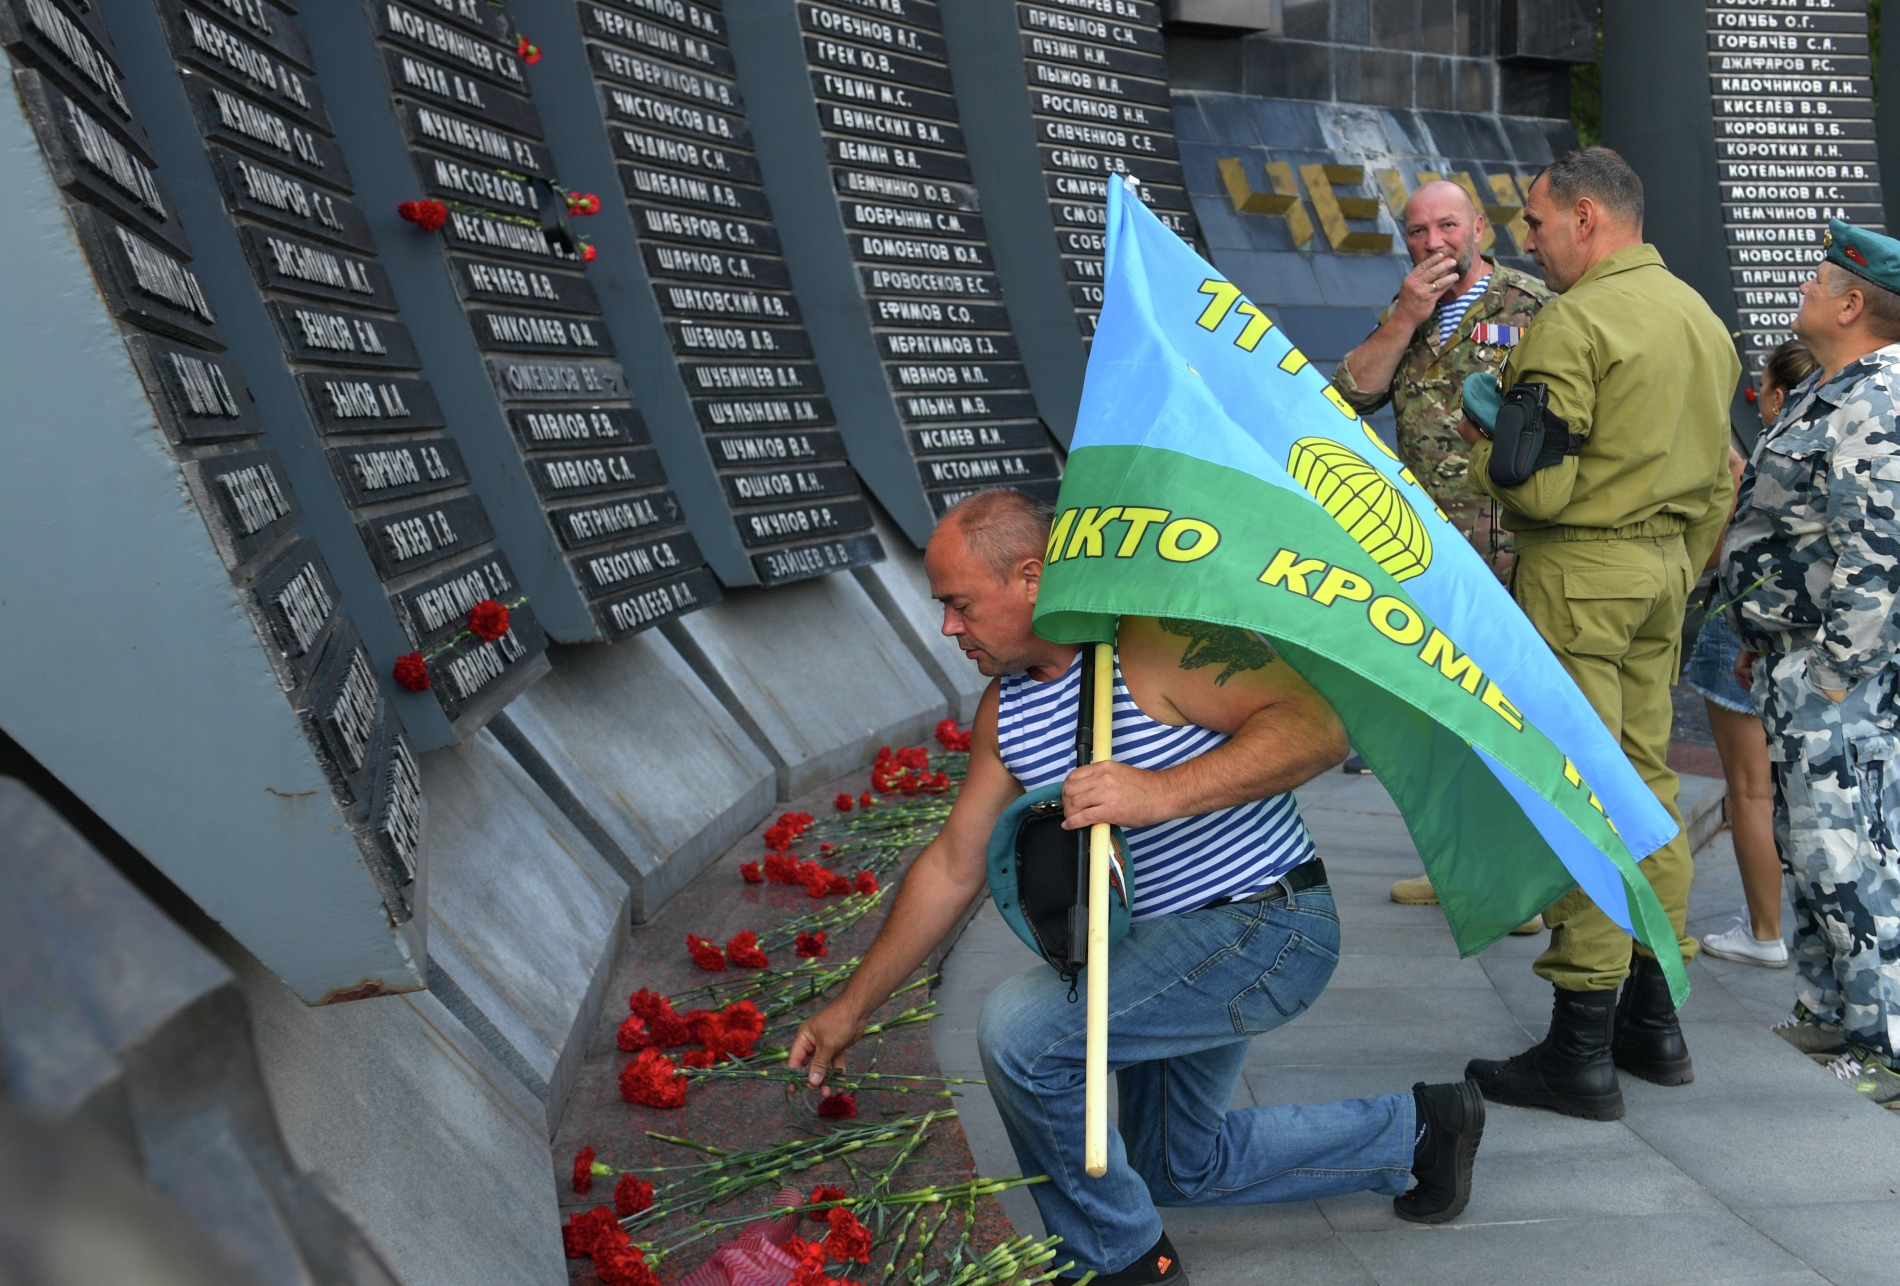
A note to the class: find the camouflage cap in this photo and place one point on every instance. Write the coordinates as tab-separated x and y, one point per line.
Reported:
1483	397
1863	253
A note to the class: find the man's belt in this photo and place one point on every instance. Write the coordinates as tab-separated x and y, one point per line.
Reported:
1301	878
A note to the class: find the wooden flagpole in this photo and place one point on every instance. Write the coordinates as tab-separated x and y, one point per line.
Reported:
1095	1068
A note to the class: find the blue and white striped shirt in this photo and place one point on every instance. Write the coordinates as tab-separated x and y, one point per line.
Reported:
1449	315
1179	865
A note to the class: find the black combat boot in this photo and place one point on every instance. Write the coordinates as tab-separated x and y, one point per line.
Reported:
1649	1040
1568	1071
1450	1123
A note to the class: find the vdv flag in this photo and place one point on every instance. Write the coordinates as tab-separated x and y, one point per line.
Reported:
1216	476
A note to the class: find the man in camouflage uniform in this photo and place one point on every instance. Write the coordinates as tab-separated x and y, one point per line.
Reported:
1813	565
1406	362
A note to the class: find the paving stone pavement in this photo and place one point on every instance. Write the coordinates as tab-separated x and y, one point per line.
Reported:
1766	1170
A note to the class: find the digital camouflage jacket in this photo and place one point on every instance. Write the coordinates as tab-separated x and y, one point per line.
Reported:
1427	390
1812	557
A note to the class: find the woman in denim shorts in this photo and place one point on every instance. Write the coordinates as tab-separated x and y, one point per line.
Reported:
1739	737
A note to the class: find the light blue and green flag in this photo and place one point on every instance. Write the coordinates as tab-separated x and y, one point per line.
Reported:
1215	475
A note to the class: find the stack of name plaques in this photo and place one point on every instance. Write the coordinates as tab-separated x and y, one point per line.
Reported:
1060	97
455	73
1794	145
256	97
854	109
71	81
724	368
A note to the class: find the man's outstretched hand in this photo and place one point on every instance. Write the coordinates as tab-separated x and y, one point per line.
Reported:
822	1038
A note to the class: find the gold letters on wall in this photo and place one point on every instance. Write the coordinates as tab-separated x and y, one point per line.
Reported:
1503	207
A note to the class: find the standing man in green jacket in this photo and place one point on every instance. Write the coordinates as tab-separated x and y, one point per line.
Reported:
1629	376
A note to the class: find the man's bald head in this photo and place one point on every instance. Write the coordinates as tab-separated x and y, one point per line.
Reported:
1003	528
1442	219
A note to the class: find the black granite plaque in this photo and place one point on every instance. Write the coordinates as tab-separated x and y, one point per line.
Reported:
917	13
981	287
214	47
883	96
581	473
1060	79
263	192
651	73
902	160
579	526
470	667
343	712
91	163
615	571
778	486
229	117
798	522
680	47
926	251
629	613
198	397
450	179
248	502
699	19
684	300
329	336
641	108
40	33
914	407
645	183
870	26
432	609
714	379
144	283
854	60
428	126
364	402
734	450
489	281
415	537
297	600
890	125
897	187
384	471
956	346
518	332
700	229
453	44
1082	187
934	377
761	412
568	427
283	262
780	566
712	265
937	312
529	379
900	220
491	234
1139	36
645	147
393	818
992	470
444	86
1103	58
1093	134
1100	164
717	339
965	438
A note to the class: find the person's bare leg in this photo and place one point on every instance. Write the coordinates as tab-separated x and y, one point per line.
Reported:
1743	746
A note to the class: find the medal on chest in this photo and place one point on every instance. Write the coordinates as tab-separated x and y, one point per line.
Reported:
1495	336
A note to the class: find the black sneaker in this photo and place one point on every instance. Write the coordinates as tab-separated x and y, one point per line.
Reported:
1451	1118
1355	767
1160	1264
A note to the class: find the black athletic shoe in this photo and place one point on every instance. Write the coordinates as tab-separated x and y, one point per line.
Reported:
1451	1120
1355	767
1160	1264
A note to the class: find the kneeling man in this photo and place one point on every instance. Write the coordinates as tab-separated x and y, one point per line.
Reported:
1234	928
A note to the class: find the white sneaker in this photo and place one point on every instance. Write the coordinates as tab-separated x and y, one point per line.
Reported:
1740	943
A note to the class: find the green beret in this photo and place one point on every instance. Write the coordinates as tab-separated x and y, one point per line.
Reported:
1863	253
1483	397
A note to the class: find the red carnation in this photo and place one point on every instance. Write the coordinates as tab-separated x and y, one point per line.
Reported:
750	871
838	1107
587	1234
865	882
427	215
583	203
848	1239
837	886
744	951
624	1267
698	1058
705	954
822	1193
632	1036
811	945
864	800
843	802
588	253
488	619
781	869
653	1079
632	1195
411	672
950	737
667	1028
528	53
811	1263
825	848
583	1169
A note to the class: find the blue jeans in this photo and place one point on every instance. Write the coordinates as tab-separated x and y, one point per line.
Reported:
1186	996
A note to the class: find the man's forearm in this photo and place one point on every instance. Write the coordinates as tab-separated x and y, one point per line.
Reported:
1376	360
1271	754
929	903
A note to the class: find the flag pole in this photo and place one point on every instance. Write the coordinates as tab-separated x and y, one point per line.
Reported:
1095	1067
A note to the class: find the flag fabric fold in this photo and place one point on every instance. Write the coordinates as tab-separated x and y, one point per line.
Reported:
1215	475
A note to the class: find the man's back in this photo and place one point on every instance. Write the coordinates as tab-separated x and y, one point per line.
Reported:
1637	364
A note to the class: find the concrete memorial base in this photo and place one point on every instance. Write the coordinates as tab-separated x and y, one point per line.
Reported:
814	673
643	759
525	918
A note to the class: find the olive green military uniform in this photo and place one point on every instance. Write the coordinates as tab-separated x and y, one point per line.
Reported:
1609	541
1427	396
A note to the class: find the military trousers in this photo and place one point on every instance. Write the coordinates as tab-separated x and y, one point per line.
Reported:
1837	799
1612	612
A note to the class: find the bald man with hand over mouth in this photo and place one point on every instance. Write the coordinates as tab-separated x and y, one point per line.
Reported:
1456	313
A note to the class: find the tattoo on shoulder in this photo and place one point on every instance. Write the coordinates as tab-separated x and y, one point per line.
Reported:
1234	650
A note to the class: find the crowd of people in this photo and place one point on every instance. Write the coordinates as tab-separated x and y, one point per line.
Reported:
1577	431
